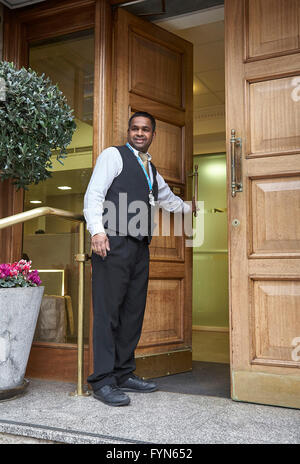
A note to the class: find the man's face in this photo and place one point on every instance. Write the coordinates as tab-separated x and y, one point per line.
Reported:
140	133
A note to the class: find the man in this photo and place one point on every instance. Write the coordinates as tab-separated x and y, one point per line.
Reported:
123	177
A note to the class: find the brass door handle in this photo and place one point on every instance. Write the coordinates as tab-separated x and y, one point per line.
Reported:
236	186
195	196
82	257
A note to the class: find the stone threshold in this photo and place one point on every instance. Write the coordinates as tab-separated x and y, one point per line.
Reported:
60	435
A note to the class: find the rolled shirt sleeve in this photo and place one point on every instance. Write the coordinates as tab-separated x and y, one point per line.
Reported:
109	164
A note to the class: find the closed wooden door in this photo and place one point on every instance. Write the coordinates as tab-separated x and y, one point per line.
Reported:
154	72
263	107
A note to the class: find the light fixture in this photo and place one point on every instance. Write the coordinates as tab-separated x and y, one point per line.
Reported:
36	201
64	187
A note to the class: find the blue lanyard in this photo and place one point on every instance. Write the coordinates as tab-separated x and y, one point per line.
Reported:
141	163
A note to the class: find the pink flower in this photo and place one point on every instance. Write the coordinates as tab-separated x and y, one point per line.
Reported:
5	269
34	277
13	272
23	266
21	270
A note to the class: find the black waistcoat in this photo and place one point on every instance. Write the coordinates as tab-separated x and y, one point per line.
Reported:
126	208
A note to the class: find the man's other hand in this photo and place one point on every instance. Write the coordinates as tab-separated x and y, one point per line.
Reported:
100	244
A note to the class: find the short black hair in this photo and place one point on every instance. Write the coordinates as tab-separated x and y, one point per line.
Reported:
144	114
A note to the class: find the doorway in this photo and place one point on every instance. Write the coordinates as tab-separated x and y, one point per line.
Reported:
168	324
262	335
210	320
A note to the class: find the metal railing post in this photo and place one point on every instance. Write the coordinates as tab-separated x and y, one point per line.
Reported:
80	258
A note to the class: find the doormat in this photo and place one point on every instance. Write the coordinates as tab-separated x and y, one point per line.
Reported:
206	378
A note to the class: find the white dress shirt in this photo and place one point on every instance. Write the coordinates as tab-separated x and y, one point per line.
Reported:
108	166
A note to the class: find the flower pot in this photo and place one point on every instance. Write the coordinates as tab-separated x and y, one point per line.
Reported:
19	310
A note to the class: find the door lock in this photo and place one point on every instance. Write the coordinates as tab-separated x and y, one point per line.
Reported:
236	223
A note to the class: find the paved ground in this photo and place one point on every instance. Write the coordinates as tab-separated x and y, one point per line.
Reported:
8	439
47	412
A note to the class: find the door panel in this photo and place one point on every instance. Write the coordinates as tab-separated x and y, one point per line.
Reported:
143	78
154	73
277	29
169	141
275	203
263	107
167	328
275	309
273	99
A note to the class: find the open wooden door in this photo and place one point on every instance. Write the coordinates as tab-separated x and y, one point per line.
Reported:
263	107
154	72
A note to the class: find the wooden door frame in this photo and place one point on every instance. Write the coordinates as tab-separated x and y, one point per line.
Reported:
53	19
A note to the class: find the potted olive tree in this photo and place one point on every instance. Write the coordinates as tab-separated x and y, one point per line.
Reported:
35	119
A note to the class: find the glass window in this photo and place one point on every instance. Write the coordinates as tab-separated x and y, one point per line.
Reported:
52	242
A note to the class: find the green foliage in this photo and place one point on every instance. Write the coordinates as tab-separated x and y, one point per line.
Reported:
34	119
15	282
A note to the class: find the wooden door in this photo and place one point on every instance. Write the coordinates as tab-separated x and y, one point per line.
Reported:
263	107
154	72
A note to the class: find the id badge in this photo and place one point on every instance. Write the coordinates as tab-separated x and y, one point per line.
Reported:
151	199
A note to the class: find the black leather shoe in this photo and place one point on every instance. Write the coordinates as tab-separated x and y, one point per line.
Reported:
111	395
138	385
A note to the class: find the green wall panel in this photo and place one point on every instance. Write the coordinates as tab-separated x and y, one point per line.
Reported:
210	261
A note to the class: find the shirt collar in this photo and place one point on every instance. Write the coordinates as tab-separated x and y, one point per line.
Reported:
136	152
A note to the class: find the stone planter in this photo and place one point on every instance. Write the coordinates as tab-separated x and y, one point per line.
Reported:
19	310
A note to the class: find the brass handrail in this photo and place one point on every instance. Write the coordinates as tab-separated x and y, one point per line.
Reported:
81	257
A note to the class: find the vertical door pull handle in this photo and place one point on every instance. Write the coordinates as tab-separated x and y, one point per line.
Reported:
236	185
195	196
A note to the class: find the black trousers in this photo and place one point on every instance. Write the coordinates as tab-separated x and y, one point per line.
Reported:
119	288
